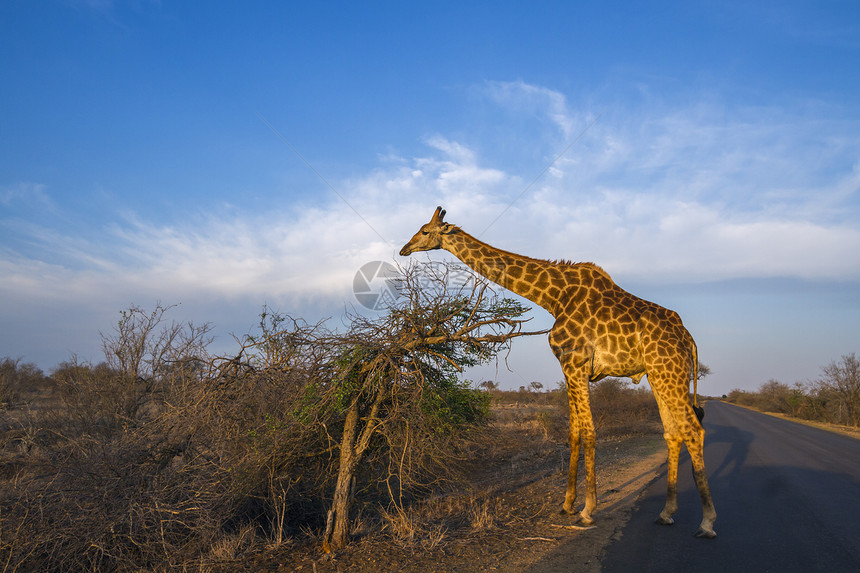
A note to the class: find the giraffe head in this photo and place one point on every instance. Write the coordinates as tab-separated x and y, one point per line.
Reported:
429	236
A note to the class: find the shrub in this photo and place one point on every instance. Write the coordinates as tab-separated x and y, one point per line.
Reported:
165	456
834	397
17	379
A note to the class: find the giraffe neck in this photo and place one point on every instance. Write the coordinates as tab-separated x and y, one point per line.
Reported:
536	280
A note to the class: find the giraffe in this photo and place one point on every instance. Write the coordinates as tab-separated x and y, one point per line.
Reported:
600	330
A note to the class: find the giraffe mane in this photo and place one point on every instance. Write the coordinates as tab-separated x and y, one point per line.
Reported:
452	228
593	266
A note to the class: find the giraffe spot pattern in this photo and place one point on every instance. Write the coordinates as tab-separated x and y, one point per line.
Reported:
600	330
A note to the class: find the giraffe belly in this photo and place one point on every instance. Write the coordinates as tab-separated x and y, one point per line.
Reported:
623	364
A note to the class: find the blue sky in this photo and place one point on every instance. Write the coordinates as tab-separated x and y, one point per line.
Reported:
149	152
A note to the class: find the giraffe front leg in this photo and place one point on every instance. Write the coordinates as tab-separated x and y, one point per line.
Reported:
570	494
674	446
573	364
590	479
674	439
581	431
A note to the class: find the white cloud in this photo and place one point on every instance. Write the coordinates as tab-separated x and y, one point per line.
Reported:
26	193
290	257
458	171
665	240
691	195
698	194
680	196
523	98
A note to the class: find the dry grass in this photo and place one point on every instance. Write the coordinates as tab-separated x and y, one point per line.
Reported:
413	528
618	407
231	546
483	515
99	475
94	478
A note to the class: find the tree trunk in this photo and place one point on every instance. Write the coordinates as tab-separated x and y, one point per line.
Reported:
337	524
353	445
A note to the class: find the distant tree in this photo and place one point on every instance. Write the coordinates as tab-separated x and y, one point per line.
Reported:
16	378
536	386
775	397
489	385
145	348
842	380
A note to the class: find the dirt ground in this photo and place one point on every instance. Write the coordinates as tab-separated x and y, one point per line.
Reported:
522	530
503	516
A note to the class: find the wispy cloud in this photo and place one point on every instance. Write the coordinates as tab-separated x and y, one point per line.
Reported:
457	170
665	240
527	99
693	195
26	194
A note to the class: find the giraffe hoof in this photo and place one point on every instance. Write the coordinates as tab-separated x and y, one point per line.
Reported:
586	520
664	520
703	533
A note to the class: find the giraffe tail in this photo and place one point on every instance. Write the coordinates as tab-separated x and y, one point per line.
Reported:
700	412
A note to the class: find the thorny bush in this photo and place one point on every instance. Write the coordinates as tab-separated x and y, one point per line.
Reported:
165	456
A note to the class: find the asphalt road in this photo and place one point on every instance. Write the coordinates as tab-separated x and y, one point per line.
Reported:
787	499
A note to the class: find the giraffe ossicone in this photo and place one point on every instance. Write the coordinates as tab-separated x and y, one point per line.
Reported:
600	330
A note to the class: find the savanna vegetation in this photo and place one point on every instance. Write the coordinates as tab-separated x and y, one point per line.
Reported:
834	397
165	457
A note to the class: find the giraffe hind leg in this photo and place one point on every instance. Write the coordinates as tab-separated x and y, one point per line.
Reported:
694	437
682	423
709	515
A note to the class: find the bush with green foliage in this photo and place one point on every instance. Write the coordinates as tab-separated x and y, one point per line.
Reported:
165	455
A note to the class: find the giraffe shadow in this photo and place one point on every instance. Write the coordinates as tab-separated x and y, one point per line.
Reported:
729	444
769	518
